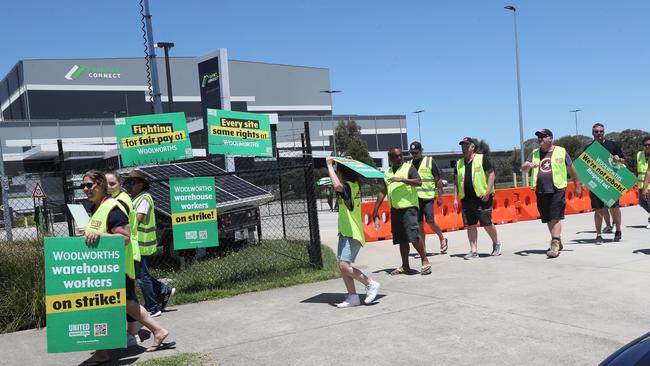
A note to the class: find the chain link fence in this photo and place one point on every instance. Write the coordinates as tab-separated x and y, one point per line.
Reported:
261	238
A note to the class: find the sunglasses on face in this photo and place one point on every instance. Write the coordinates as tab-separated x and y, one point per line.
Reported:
599	131
646	145
86	185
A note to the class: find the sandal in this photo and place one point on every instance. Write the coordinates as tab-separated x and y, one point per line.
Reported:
443	249
398	271
161	346
426	270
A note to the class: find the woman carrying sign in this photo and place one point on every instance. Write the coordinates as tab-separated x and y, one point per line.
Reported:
346	183
106	220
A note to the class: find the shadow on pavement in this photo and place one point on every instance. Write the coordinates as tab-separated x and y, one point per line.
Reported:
461	255
524	253
586	232
588	241
332	298
411	272
637	226
642	251
416	255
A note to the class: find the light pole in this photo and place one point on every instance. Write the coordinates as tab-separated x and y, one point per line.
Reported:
524	177
167	46
330	92
575	114
419	130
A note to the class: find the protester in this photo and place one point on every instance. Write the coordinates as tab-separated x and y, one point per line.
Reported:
156	294
549	164
475	188
114	182
598	131
642	158
403	199
346	184
430	189
106	220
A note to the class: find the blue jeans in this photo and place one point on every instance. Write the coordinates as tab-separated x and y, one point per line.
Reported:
152	289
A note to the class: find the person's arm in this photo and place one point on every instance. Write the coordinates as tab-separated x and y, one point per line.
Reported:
528	164
646	182
380	198
577	187
336	183
412	180
456	198
439	189
141	211
618	153
490	186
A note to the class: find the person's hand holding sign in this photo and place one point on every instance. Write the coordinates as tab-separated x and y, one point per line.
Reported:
92	238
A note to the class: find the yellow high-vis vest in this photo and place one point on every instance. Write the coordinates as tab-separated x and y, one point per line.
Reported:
558	168
641	167
427	191
479	178
401	195
350	224
147	241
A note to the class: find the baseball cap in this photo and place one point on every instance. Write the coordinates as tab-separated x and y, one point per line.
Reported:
466	140
544	132
415	145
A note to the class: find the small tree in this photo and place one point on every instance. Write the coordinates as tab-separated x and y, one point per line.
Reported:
574	145
349	142
631	143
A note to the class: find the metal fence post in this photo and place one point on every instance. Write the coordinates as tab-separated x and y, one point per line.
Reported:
315	256
64	184
6	212
284	227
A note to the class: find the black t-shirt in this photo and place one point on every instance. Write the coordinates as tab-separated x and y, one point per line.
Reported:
468	187
346	196
613	147
545	172
116	218
434	167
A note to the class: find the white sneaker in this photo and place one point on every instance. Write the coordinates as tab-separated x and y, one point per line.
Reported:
350	301
132	341
371	292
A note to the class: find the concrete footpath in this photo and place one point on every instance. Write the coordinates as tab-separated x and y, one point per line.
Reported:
519	308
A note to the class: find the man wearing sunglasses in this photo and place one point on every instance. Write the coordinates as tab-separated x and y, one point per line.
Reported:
598	131
549	164
401	183
641	168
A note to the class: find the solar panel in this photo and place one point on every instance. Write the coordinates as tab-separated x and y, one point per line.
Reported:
165	172
230	189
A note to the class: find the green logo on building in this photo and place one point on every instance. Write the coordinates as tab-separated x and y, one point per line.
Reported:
75	72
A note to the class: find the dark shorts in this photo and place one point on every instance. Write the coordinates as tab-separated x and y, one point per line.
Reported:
551	205
475	210
597	203
404	224
130	295
426	211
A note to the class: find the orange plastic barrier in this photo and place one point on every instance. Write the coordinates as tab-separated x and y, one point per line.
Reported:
445	217
630	198
510	205
504	208
577	204
525	204
369	230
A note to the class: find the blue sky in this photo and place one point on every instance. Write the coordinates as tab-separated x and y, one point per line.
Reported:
454	59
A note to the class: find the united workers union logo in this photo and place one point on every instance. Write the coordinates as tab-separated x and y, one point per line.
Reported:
77	71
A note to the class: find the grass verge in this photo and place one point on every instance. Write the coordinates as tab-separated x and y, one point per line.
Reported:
258	267
267	265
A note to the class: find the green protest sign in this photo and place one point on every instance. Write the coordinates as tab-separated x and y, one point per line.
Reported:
364	170
194	212
239	133
85	295
154	138
603	176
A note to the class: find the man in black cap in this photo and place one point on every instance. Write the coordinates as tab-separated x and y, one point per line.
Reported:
474	185
430	189
549	164
598	132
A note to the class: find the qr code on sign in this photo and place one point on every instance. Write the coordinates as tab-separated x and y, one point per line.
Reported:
101	329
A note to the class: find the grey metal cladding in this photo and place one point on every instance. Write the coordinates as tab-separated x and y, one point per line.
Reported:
279	85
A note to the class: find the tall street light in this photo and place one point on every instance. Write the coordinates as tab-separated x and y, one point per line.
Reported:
330	92
524	177
419	129
166	46
575	114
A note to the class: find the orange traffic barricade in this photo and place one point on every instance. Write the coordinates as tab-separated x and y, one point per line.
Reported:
525	204
504	206
369	230
576	204
630	198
